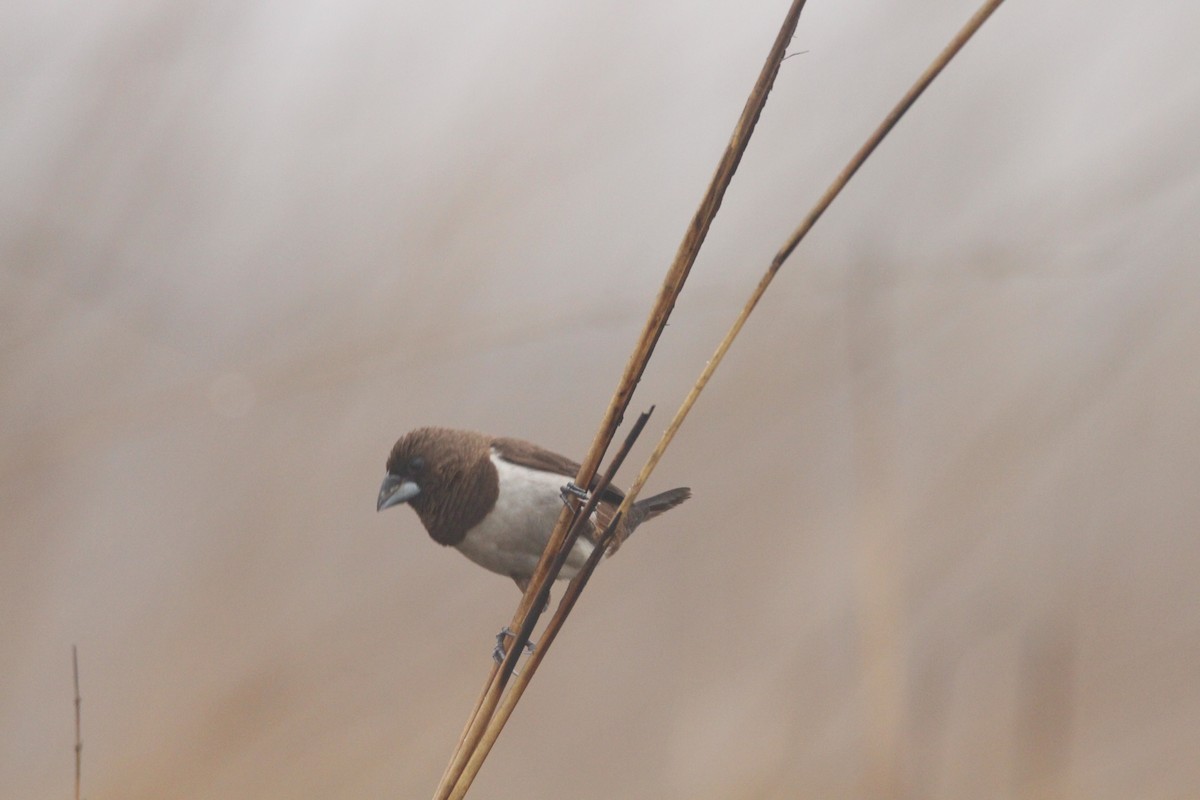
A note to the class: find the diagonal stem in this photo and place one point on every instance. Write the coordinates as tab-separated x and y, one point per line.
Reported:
672	285
922	83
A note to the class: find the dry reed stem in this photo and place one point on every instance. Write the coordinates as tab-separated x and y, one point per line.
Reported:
485	705
634	368
500	715
835	188
78	726
509	702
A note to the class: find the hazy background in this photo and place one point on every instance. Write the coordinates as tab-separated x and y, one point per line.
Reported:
944	535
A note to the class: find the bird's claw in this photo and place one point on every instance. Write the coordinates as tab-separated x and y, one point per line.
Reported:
571	490
499	651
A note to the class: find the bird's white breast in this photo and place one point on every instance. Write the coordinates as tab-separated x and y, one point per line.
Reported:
510	539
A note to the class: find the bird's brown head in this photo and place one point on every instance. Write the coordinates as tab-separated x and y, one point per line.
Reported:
444	474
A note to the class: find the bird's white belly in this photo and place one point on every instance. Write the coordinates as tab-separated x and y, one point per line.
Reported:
510	539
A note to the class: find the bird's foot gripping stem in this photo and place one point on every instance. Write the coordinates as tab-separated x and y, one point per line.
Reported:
499	651
571	490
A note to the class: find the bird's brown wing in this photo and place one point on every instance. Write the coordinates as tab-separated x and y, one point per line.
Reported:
528	454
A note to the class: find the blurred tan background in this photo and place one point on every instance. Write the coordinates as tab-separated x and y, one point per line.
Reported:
944	538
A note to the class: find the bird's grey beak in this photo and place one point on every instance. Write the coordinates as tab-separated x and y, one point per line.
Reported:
396	490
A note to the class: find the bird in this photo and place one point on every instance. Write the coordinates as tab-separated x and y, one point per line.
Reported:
496	499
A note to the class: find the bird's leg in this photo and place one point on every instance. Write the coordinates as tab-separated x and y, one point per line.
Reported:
499	651
523	584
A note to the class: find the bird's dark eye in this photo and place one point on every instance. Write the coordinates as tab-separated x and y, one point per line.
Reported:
416	465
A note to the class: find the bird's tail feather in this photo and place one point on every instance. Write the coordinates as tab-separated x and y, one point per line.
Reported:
651	507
